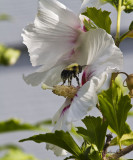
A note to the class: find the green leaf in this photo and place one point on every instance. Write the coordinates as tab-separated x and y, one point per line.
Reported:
9	146
126	140
131	26
59	138
44	123
16	125
128	34
4	17
95	156
119	82
130	113
127	129
95	132
89	25
115	107
99	17
17	155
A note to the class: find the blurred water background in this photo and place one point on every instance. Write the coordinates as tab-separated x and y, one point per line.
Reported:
32	104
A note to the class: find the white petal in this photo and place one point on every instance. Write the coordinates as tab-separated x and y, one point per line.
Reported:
57	150
60	118
53	33
90	3
50	77
60	123
101	51
85	99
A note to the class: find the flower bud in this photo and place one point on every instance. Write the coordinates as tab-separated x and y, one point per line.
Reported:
129	81
8	56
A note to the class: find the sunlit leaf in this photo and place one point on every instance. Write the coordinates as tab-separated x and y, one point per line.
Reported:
44	122
9	146
95	132
17	155
16	125
119	82
126	140
127	129
115	107
99	17
130	113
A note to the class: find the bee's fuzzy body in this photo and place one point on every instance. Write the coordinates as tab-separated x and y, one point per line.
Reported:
71	71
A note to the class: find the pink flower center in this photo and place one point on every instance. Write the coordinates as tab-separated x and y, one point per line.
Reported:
86	76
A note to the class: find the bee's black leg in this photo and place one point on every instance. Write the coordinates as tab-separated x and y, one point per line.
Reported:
63	82
77	79
70	80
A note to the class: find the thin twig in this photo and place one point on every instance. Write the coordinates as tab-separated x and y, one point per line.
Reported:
106	145
121	153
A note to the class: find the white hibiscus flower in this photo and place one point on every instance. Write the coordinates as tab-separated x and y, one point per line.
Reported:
56	40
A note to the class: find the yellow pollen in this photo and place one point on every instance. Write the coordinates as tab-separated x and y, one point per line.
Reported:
65	91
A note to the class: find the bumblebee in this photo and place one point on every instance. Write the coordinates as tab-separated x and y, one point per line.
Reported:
71	71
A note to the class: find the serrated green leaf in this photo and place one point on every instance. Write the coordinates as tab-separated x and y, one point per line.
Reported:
16	125
126	140
115	107
127	129
59	138
95	132
17	155
99	17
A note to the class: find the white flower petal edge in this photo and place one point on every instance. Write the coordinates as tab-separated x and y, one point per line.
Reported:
60	124
54	25
91	3
100	52
57	150
51	77
52	37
